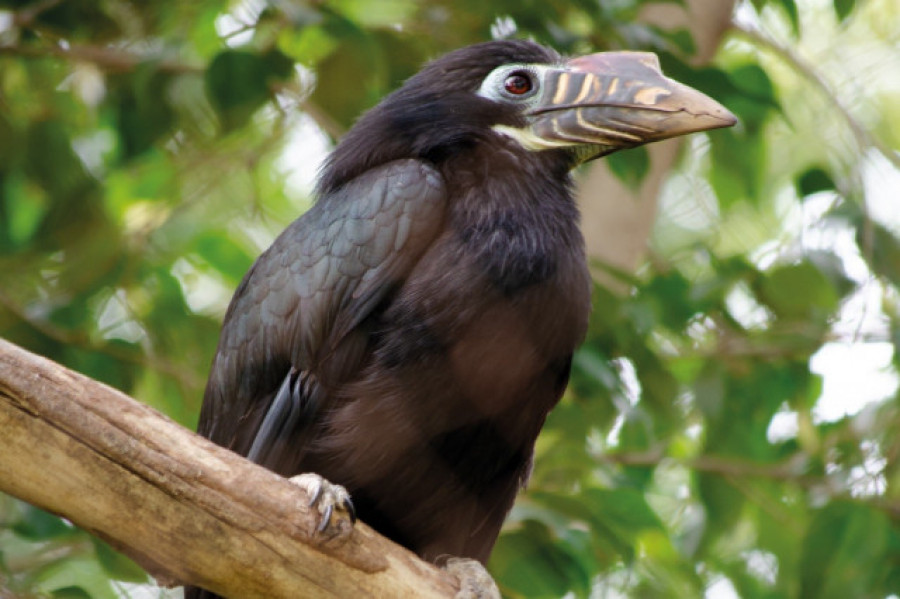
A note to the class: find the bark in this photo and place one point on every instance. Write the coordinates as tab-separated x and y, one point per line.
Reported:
186	510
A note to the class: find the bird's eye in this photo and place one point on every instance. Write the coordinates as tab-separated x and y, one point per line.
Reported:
518	84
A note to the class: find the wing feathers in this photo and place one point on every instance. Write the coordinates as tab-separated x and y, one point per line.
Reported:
319	280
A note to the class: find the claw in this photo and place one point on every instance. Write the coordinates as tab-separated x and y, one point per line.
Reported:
351	509
326	518
337	514
316	495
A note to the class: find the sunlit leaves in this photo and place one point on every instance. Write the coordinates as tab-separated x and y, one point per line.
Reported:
308	46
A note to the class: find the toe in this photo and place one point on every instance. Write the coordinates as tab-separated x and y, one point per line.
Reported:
474	580
332	503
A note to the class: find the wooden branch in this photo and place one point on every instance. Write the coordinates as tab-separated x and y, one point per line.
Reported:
185	509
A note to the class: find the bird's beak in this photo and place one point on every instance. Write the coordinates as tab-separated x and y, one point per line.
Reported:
612	100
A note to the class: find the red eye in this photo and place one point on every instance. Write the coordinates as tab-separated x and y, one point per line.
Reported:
517	84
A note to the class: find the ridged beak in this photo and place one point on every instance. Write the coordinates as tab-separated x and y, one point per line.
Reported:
612	100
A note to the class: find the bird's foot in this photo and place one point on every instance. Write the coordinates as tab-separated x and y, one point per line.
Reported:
332	502
474	580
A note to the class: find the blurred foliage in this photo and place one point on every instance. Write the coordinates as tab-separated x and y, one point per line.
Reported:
149	151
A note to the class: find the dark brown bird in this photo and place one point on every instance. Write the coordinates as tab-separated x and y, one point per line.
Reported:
407	336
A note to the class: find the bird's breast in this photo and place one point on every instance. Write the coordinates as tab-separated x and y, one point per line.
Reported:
510	253
490	323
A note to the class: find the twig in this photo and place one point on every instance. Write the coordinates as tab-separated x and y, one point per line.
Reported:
111	59
788	470
863	138
26	16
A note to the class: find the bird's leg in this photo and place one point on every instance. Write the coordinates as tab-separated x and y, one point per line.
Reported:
336	511
474	580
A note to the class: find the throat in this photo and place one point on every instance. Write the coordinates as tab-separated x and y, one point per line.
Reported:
511	252
517	227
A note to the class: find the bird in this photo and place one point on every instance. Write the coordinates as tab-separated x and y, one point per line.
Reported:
406	337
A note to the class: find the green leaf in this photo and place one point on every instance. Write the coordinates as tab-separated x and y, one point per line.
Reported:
595	380
51	162
752	81
670	293
10	144
226	256
38	525
736	166
790	7
618	518
144	114
624	510
25	210
683	40
814	180
722	503
118	566
83	19
659	390
630	166
798	291
77	571
531	562
843	8
831	265
72	592
387	15
309	45
119	373
357	74
845	552
881	248
237	83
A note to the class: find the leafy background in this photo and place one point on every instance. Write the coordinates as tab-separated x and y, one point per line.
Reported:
730	428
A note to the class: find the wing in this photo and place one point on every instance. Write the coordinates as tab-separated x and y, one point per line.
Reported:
295	326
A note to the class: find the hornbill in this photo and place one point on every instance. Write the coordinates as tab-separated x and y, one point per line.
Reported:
406	337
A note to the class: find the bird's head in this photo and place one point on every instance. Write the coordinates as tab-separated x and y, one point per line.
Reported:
490	93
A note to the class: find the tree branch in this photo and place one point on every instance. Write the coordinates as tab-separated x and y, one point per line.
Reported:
186	510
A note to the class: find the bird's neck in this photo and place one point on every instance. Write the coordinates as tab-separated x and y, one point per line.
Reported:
519	222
